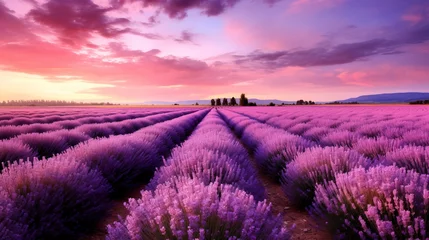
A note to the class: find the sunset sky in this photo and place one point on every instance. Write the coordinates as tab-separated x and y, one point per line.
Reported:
169	50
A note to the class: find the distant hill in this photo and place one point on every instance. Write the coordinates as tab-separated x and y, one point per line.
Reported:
207	102
390	98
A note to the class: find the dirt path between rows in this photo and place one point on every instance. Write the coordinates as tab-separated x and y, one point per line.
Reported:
305	226
117	209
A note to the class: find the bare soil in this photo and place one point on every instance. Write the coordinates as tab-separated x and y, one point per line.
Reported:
118	209
305	226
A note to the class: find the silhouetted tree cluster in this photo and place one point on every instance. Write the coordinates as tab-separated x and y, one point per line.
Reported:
243	100
225	102
252	104
271	104
302	102
50	103
420	102
218	102
337	102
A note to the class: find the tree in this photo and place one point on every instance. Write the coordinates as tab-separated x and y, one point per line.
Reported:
218	103
213	102
233	102
300	102
271	104
243	100
196	104
225	102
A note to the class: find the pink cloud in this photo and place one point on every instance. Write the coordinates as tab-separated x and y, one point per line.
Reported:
386	76
417	14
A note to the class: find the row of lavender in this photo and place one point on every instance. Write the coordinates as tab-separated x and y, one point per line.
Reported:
50	143
387	127
354	194
74	121
207	189
29	117
62	197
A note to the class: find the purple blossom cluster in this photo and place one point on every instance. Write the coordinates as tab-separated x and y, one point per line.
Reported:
384	202
317	166
50	199
206	189
410	157
189	209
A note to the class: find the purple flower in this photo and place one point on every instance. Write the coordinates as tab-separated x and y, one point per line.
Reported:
189	209
315	166
51	199
382	202
411	157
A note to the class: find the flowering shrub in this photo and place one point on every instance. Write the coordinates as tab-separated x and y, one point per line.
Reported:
190	209
340	138
416	137
316	133
299	128
44	144
208	166
51	199
411	157
379	203
278	150
376	148
120	160
315	166
13	150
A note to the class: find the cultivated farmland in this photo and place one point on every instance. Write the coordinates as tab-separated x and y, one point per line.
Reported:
296	172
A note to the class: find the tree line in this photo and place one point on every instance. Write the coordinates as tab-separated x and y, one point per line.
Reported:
50	103
243	101
420	102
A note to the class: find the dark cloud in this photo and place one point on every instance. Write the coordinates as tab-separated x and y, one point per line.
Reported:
333	55
178	8
185	37
76	21
12	27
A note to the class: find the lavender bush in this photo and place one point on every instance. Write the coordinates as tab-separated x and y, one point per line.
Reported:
411	157
209	166
340	138
190	209
53	199
14	150
379	203
315	166
278	150
376	148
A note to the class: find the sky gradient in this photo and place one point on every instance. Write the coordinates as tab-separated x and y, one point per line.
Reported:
142	50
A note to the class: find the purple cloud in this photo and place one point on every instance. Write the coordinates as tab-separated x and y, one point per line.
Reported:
333	55
185	37
178	8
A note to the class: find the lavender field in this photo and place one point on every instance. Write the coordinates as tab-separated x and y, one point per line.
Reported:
352	172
